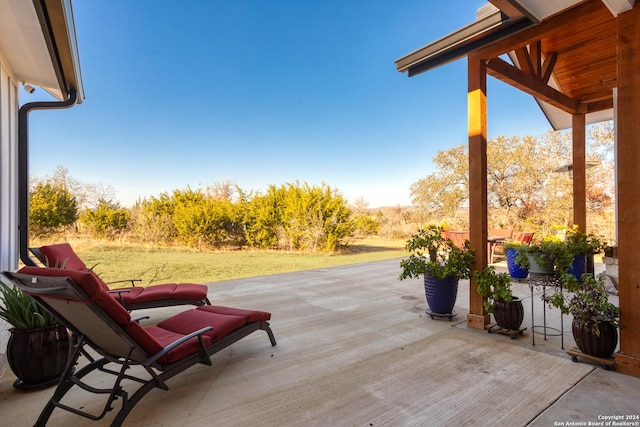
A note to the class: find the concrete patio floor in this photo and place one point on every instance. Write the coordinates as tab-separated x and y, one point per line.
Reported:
356	349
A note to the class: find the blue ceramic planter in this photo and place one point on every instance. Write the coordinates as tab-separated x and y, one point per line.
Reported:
515	270
441	294
579	266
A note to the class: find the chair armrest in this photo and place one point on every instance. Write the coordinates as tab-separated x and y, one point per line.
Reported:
119	296
138	319
176	343
132	281
118	291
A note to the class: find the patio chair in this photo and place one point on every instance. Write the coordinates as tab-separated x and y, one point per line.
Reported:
132	297
524	237
103	326
459	237
497	237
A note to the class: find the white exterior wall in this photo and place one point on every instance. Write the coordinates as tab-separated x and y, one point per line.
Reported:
8	169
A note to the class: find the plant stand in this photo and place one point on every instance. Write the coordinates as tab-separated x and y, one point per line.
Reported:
543	281
606	363
448	315
512	333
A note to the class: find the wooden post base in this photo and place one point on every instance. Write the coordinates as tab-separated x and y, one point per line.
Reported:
478	322
627	365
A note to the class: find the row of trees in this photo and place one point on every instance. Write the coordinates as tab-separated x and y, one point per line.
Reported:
293	216
524	192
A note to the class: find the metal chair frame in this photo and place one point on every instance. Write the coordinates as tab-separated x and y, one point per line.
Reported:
69	303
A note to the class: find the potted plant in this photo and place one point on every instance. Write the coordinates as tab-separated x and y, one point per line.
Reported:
544	256
507	310
441	263
512	249
39	346
595	319
581	246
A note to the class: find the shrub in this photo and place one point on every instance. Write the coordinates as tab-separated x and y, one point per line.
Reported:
105	220
51	207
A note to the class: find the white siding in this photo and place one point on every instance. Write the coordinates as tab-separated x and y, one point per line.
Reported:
8	170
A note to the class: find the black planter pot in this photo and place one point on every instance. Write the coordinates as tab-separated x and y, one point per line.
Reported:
592	344
441	294
38	356
509	315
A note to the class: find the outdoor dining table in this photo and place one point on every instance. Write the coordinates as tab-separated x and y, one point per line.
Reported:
493	242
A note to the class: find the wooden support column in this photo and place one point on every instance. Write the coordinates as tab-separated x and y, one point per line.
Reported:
628	156
579	174
477	105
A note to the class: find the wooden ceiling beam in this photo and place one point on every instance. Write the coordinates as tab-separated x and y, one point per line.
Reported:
531	60
605	104
547	67
535	50
524	59
570	20
511	75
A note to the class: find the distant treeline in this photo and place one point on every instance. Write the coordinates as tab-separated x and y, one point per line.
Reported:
292	216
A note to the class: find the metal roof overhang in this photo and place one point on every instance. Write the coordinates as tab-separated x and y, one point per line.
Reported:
493	27
38	41
458	44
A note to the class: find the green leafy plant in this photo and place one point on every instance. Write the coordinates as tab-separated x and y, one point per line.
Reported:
514	244
436	256
493	286
21	311
582	243
546	251
587	302
520	248
561	248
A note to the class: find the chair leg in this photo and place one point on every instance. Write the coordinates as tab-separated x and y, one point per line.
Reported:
63	386
71	378
265	326
68	380
131	403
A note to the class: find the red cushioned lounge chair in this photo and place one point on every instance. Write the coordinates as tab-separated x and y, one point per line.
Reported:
133	297
101	324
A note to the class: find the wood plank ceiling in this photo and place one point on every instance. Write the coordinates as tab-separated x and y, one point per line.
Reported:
568	60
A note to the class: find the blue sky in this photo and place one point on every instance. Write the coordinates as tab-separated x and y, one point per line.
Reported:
264	92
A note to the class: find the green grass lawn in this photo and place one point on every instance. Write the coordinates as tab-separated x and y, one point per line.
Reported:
154	266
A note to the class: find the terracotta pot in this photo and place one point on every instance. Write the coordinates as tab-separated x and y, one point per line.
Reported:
509	315
441	294
38	356
591	344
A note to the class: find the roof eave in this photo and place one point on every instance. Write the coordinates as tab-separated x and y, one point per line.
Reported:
58	27
459	43
561	120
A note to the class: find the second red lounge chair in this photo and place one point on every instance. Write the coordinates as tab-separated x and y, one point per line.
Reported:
132	297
